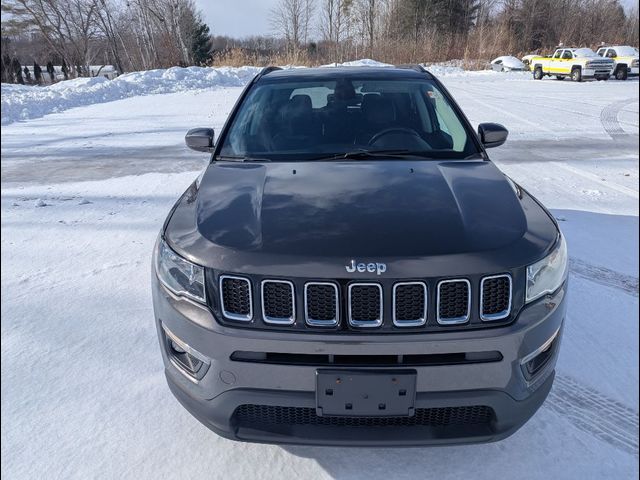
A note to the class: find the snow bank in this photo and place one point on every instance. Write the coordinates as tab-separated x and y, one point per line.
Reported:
365	62
20	102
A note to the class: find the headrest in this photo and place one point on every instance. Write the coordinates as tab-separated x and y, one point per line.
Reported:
378	109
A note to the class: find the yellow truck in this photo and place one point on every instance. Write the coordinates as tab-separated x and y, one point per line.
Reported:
625	60
577	63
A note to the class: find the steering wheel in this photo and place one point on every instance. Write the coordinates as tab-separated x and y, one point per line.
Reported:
389	131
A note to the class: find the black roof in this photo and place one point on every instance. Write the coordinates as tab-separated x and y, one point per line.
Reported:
329	73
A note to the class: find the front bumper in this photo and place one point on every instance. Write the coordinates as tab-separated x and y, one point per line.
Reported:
596	72
227	385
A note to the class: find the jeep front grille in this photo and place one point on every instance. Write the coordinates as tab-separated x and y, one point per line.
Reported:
278	302
454	301
321	304
409	304
385	305
365	304
495	297
235	298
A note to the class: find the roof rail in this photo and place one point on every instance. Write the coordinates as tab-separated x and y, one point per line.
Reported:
412	66
267	70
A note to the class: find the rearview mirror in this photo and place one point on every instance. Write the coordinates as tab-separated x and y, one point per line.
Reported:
492	134
200	139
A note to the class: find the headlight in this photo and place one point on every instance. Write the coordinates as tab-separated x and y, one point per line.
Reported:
179	275
547	275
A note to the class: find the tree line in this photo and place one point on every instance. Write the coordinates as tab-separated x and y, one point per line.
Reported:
144	34
398	31
11	71
128	34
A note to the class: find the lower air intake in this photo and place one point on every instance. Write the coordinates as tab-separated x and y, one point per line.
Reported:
252	415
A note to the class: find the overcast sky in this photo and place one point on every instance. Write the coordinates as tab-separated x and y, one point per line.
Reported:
243	18
237	18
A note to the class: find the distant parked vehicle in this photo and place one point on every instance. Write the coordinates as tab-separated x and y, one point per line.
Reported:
577	63
526	60
507	63
625	60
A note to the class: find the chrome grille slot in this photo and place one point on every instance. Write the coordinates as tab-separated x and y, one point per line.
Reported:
495	297
454	301
365	304
278	302
236	300
321	304
409	304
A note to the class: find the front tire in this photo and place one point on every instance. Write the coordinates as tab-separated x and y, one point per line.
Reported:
621	72
576	75
537	73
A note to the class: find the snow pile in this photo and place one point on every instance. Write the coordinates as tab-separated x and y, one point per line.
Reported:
21	102
440	69
365	62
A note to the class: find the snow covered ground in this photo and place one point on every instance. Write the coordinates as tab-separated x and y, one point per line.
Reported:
84	193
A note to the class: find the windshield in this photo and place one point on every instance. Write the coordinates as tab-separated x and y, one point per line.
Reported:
626	52
314	118
584	52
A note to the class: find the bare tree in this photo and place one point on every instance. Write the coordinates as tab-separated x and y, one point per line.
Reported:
291	19
335	22
67	26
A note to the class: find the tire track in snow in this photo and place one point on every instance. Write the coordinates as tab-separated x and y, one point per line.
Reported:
595	178
604	276
501	111
595	414
609	118
560	109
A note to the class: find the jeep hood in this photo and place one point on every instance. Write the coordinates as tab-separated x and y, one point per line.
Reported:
356	209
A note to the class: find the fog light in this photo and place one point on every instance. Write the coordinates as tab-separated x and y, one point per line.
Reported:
176	348
536	360
187	360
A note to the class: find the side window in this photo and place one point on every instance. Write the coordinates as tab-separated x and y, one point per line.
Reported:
557	54
567	55
611	53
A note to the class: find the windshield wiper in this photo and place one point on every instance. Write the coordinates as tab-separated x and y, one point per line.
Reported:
364	154
241	158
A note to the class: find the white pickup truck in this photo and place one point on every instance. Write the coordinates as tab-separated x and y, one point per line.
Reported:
625	60
576	63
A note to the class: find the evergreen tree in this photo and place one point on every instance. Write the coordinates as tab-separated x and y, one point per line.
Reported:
51	71
8	69
17	70
201	44
65	70
37	72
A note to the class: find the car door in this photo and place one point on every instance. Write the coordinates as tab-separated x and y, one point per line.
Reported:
566	63
554	62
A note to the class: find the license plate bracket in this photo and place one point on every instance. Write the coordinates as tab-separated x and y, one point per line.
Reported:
365	393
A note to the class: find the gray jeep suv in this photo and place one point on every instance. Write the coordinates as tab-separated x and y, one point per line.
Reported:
352	269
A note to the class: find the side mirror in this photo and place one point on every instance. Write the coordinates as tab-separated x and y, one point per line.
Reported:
200	139
492	134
